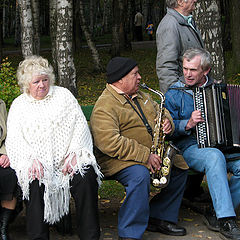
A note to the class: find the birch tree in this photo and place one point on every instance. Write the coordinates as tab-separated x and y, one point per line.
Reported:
207	15
17	26
118	27
35	18
29	16
91	44
26	27
53	30
64	57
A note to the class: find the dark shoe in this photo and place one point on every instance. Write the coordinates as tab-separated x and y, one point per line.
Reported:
229	228
211	221
5	218
157	225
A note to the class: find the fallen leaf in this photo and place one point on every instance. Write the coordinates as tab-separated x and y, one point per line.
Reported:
103	201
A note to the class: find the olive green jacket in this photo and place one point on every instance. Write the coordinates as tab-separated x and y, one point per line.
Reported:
120	137
3	127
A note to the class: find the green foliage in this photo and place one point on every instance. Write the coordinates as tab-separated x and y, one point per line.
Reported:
111	188
9	89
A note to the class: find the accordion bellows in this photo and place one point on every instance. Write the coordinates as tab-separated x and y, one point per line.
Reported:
220	107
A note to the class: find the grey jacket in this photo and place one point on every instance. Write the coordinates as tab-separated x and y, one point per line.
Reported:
174	36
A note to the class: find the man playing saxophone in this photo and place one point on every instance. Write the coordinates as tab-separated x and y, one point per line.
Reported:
122	124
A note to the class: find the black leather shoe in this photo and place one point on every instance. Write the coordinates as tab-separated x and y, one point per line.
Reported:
229	228
211	221
156	225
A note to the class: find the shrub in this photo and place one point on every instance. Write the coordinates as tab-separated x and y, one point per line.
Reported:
9	89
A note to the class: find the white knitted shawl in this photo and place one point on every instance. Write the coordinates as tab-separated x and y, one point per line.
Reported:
49	130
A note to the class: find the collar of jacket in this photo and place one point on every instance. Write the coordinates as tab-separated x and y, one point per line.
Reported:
210	81
178	16
120	97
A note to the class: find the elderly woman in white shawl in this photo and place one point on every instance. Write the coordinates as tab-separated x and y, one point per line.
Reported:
50	148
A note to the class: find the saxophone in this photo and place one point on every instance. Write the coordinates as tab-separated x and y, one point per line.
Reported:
165	150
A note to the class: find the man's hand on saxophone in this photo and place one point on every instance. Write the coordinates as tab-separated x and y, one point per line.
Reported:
154	162
167	126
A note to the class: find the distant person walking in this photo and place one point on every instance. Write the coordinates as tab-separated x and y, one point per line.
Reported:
150	29
138	22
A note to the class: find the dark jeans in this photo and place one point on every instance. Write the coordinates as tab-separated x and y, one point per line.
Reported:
84	190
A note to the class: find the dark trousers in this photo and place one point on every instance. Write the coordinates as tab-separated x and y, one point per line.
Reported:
134	213
84	190
138	31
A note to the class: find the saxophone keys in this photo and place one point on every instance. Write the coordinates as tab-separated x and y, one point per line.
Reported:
155	182
163	180
165	171
166	161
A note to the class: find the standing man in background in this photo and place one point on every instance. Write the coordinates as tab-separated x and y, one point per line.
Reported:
138	22
176	33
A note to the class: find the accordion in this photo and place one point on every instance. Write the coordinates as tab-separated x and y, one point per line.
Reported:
220	108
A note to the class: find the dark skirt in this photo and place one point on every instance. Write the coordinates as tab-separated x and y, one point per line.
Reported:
8	184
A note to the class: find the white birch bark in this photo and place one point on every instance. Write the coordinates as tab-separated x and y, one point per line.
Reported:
66	68
26	27
207	15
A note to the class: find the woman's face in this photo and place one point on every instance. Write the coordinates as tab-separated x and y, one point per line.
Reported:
39	86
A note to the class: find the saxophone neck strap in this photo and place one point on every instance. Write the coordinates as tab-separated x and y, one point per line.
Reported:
140	114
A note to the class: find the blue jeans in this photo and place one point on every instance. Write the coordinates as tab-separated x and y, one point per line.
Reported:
134	213
225	195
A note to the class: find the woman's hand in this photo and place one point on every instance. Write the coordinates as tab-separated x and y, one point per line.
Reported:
68	166
36	171
4	161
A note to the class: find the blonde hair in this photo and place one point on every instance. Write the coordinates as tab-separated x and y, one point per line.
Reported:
33	65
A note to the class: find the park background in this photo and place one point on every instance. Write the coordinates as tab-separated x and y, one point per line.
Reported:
79	37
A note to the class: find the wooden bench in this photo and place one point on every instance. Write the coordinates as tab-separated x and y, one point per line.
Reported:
87	111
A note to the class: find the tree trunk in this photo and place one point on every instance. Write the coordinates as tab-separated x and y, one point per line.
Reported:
53	32
26	27
64	57
76	27
3	19
133	12
17	26
92	7
91	44
207	15
235	35
35	16
116	9
1	35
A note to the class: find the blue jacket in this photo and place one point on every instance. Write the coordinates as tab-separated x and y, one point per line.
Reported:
179	103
